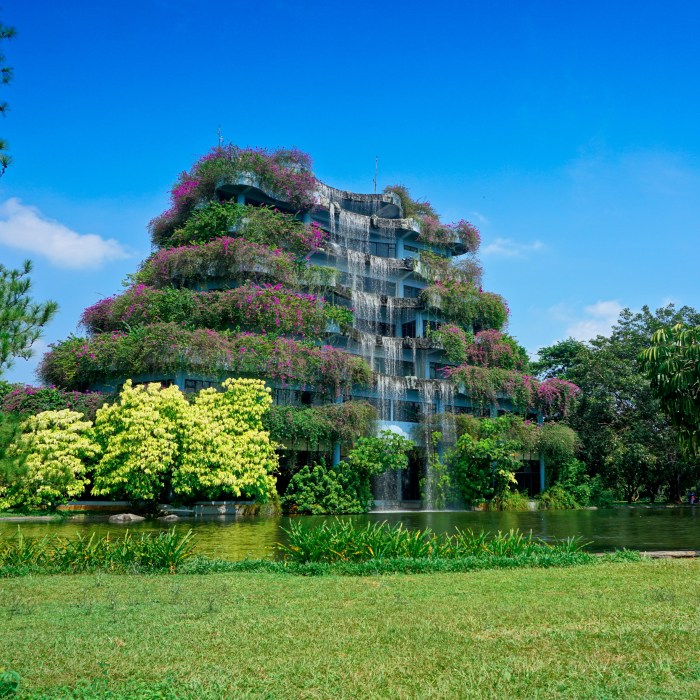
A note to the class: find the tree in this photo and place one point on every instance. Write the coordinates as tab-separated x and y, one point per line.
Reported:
672	364
625	437
51	448
5	77
21	319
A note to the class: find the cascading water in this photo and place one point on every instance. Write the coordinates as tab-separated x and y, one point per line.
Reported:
427	390
368	307
393	352
353	230
356	269
447	417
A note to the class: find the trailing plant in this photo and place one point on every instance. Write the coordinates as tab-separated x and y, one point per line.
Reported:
466	305
261	308
320	426
412	208
225	258
263	225
29	400
165	348
285	173
52	448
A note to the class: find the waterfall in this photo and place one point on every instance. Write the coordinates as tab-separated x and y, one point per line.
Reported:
364	344
367	307
390	313
389	388
356	268
380	271
331	220
353	230
427	390
393	352
447	417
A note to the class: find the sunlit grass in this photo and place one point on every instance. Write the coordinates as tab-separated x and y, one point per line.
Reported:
623	630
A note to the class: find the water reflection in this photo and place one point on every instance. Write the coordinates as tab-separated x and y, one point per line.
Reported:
633	528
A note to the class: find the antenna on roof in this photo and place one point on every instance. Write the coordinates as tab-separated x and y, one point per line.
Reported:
220	137
376	171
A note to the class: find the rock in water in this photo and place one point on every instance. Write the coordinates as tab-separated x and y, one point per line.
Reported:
125	518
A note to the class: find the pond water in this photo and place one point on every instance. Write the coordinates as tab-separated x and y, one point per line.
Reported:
639	528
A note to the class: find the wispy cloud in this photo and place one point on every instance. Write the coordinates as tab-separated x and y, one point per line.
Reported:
25	228
596	319
508	248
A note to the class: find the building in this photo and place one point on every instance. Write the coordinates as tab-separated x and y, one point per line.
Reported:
392	297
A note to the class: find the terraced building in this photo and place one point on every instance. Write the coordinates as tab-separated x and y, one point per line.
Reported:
336	299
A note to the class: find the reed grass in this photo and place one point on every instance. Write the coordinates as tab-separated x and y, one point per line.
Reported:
339	541
164	551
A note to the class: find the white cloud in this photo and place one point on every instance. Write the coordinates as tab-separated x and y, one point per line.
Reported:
508	248
25	228
598	319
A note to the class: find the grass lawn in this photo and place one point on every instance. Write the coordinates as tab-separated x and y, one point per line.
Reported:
626	630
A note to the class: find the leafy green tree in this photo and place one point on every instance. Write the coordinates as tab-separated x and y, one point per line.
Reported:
141	442
617	416
672	364
5	77
21	319
225	448
53	447
483	467
347	487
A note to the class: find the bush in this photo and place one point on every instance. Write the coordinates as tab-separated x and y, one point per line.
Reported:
321	490
346	487
29	400
51	450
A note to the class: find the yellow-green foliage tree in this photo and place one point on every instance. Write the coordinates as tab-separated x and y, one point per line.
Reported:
52	449
226	449
153	440
141	439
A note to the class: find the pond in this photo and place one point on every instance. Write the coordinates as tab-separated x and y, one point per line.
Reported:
639	528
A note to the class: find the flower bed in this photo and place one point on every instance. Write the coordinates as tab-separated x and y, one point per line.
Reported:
265	309
233	259
166	348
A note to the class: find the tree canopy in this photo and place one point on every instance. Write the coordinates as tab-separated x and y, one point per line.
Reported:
672	364
21	319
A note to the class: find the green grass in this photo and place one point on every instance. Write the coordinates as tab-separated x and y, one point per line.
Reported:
616	630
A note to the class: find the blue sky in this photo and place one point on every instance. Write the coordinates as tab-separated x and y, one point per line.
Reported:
568	133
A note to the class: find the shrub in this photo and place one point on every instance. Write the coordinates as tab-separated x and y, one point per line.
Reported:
321	490
52	447
141	437
225	258
264	309
225	449
484	468
166	348
346	487
30	400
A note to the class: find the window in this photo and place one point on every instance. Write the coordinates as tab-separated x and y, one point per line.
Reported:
435	368
407	411
382	250
408	330
411	249
411	292
193	385
432	325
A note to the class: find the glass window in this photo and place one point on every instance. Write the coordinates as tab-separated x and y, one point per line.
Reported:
410	292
